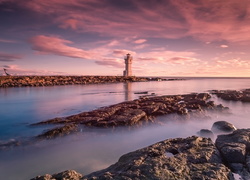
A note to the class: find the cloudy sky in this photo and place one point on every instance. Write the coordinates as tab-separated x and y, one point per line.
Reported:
91	37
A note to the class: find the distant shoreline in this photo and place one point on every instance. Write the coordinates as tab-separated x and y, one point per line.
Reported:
39	81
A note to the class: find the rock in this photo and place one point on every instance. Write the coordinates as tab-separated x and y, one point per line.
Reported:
189	158
23	81
233	95
223	126
206	133
234	148
57	132
65	175
136	112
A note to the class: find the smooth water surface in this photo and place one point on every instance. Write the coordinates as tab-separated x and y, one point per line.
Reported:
95	149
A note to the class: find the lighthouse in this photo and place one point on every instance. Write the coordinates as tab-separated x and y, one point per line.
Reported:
128	62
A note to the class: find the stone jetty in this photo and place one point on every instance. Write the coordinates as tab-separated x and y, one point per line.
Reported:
134	113
24	81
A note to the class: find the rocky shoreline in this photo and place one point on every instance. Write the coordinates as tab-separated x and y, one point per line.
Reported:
36	81
196	157
191	158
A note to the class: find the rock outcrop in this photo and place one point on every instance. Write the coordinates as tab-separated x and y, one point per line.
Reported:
65	175
183	159
235	148
136	112
233	95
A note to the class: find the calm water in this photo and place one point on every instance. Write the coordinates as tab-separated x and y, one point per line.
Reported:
96	149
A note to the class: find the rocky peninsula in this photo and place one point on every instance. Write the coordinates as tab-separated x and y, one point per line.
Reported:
30	81
134	113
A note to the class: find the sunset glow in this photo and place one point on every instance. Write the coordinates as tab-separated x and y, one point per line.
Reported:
91	37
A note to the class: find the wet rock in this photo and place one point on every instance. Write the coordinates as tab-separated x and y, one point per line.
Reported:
223	126
189	158
206	133
65	175
233	95
8	144
59	131
137	112
234	148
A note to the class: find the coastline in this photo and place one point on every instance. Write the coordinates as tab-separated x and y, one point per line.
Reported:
39	81
195	157
159	154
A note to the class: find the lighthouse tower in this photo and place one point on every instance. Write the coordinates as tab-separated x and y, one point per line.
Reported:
128	62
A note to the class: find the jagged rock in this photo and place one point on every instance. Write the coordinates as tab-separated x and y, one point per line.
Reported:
65	175
138	111
223	126
233	95
206	133
234	148
59	131
190	158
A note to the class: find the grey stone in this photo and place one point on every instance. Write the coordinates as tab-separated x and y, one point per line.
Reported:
223	126
189	158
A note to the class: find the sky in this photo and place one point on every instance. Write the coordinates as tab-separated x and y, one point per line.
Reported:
173	38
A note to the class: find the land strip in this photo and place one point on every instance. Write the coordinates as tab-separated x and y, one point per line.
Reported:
24	81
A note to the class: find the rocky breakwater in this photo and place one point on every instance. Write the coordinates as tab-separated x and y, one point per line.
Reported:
183	159
133	113
233	95
23	81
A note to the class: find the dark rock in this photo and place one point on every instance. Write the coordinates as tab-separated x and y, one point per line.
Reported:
24	81
234	148
65	175
206	133
137	112
60	131
223	126
233	95
190	158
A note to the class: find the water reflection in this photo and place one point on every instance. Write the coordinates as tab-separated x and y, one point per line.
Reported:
128	91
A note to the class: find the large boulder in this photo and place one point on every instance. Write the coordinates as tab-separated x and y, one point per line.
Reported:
190	158
235	148
223	127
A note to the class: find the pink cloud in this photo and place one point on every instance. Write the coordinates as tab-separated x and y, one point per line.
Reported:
234	63
57	46
16	70
112	62
9	57
140	41
183	60
224	46
122	52
205	20
7	41
172	57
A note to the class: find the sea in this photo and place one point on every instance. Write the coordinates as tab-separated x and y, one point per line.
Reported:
94	149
